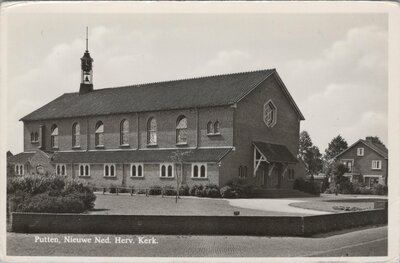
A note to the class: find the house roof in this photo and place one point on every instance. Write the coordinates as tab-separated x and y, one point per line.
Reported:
23	157
219	90
275	152
129	156
381	150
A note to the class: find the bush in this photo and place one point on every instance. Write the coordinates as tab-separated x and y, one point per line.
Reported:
184	190
226	192
51	194
113	189
196	188
211	190
242	190
325	184
380	190
155	190
169	190
305	186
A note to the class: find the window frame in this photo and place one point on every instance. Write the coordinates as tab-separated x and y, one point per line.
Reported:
54	137
360	151
210	128
378	166
76	135
180	131
273	114
166	165
99	135
19	169
109	165
59	169
151	131
123	133
199	166
84	165
137	165
345	162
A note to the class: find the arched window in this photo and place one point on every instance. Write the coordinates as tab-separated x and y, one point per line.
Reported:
152	131
124	132
99	134
209	127
76	134
36	137
270	114
195	171
216	127
32	137
203	171
167	170
240	172
181	130
54	136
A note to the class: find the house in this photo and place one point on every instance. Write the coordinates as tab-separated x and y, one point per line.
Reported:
367	162
34	162
215	129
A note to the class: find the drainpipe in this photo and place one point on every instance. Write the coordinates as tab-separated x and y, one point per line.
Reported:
197	128
138	131
87	134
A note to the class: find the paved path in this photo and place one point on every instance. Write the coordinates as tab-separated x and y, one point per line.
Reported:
359	242
274	205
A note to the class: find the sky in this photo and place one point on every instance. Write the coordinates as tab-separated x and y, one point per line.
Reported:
334	65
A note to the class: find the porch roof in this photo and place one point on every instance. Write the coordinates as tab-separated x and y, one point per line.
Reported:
275	152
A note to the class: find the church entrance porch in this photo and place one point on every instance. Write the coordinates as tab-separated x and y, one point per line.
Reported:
271	163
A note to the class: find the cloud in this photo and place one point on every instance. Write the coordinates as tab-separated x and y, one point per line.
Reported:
340	85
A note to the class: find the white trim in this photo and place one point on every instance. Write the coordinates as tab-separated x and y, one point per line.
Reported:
166	170
378	165
59	169
199	165
109	172
19	169
84	165
137	165
360	151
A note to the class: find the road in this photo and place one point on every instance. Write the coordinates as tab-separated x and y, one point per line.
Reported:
357	242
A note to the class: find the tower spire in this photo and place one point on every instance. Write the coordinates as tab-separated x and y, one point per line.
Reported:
87	38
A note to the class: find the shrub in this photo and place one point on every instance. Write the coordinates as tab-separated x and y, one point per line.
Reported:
155	190
241	189
325	184
113	189
226	192
380	190
212	192
305	186
169	190
51	194
184	190
196	188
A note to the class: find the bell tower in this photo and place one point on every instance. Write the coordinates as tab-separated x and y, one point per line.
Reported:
86	70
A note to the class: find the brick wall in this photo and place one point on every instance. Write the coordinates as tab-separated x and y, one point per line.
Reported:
249	126
363	164
194	225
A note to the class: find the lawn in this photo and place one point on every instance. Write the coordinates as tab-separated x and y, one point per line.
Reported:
337	205
125	204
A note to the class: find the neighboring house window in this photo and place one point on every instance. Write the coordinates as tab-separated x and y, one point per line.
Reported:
19	169
109	170
199	170
167	170
360	151
54	136
209	127
376	164
181	130
137	170
99	134
349	165
152	131
216	127
84	170
124	132
270	114
76	133
61	169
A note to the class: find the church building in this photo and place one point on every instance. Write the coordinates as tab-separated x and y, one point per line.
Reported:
214	129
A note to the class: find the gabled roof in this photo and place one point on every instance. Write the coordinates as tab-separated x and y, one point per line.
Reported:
377	148
275	152
23	157
129	156
219	90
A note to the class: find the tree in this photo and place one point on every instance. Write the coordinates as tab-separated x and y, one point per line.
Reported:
177	157
336	146
310	154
